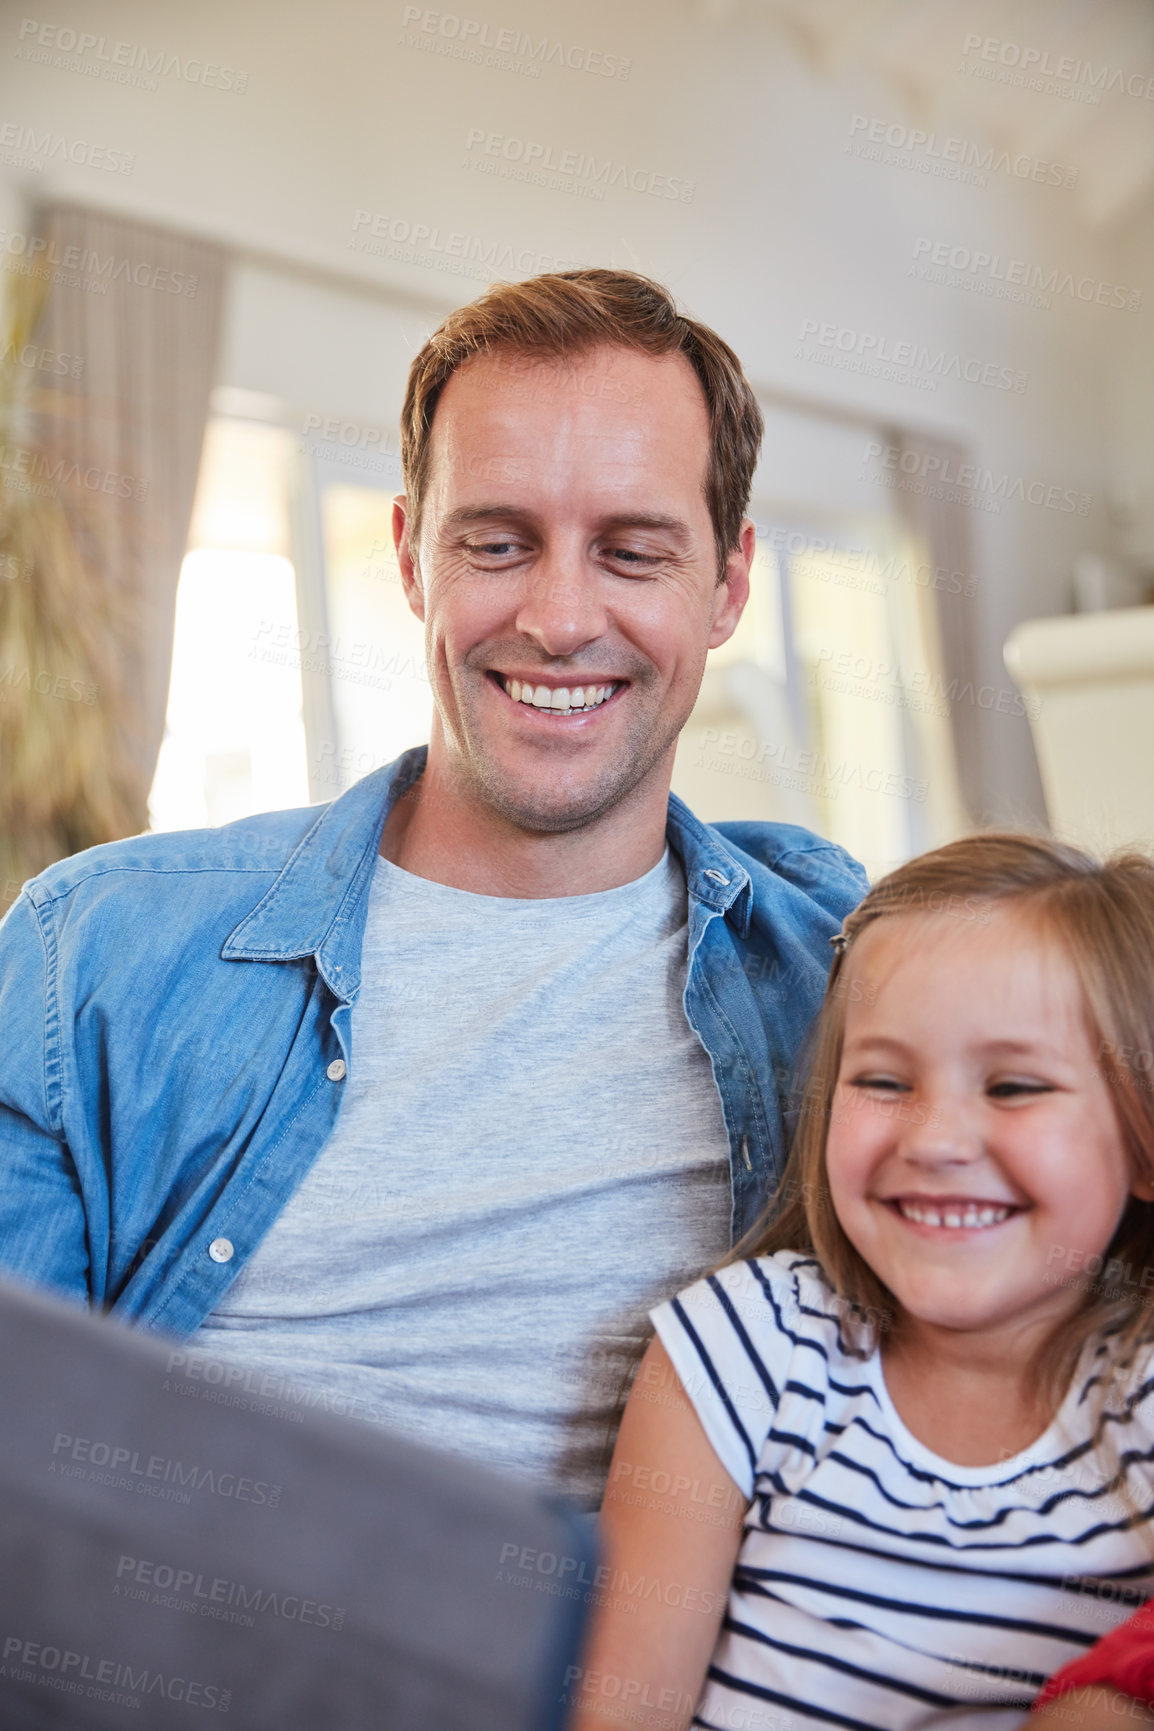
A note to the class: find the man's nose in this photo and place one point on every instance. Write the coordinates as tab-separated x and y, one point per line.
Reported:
563	606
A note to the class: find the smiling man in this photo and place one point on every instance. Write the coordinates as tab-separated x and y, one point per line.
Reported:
568	579
413	1104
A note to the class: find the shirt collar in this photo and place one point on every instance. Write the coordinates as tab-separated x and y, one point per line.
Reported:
319	902
712	874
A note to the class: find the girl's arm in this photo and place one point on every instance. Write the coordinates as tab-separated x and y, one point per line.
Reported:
670	1529
1097	1709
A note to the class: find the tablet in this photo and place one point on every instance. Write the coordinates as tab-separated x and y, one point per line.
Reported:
197	1551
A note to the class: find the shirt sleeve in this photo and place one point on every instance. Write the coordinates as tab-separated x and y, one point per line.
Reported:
43	1236
728	1339
1123	1660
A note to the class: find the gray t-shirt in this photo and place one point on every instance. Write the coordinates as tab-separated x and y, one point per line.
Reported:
530	1154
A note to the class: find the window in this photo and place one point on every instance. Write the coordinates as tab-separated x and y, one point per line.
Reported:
234	740
825	708
381	699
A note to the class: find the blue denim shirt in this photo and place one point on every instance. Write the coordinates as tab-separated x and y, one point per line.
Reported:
177	1008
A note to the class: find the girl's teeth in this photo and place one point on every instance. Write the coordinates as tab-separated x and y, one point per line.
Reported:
970	1215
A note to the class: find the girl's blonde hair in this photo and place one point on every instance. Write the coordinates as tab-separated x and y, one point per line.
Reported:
1103	916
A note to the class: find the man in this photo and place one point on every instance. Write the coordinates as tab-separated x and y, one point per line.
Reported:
418	1101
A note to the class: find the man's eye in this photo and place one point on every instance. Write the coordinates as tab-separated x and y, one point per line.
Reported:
630	556
493	549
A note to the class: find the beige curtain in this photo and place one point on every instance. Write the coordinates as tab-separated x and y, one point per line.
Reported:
941	528
134	314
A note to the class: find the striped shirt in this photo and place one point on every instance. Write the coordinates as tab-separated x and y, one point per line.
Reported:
878	1584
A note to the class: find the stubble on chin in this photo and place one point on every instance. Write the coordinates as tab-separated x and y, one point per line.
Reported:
542	802
555	795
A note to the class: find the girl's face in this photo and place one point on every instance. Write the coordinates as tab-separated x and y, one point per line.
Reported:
974	1156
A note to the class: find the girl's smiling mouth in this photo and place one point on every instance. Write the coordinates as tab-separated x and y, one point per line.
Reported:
968	1213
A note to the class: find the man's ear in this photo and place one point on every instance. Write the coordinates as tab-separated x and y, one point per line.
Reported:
407	557
732	592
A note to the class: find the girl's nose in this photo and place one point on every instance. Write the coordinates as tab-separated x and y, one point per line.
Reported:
938	1133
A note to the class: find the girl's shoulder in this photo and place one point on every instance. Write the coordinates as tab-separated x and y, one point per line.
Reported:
1117	1382
760	1351
786	1295
796	1277
781	1279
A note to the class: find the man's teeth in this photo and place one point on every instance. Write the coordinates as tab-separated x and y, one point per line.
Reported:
559	696
968	1214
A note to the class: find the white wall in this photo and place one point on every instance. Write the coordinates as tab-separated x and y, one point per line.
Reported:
339	115
1132	404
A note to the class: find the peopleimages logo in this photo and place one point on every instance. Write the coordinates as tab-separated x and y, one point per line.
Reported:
881	356
861	567
803	771
498	153
189	1589
153	1475
1014	278
44	473
36	358
112	1680
547	51
30	255
1037	63
970	482
914	143
386	236
25	147
121	62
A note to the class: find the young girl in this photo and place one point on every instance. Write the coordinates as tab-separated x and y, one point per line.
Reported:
890	1466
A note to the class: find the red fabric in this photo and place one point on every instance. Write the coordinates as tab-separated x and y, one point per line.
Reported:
1122	1660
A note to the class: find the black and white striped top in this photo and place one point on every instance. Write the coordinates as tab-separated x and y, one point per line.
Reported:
877	1583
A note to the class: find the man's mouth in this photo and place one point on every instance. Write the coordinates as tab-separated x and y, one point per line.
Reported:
972	1214
564	699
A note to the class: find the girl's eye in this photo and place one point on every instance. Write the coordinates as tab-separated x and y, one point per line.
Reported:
1016	1085
886	1084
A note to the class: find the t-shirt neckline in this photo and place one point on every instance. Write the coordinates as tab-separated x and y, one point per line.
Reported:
636	888
1040	1452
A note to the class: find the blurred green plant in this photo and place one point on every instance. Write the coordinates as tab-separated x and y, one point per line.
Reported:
65	783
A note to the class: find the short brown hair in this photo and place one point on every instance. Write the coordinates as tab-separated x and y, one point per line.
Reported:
567	313
1103	916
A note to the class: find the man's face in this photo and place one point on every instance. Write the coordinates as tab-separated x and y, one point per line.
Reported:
567	578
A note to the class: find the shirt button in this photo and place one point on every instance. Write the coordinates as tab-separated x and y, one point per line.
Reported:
336	1070
221	1250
